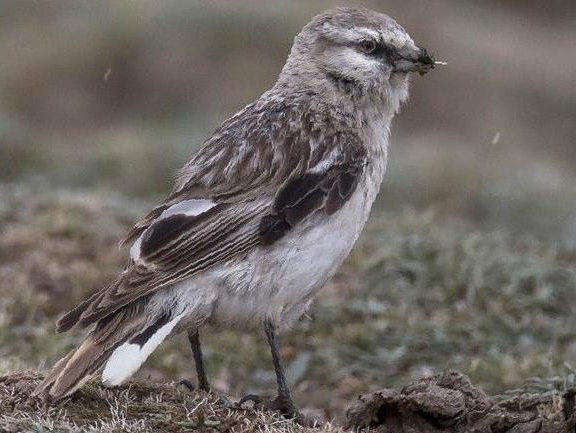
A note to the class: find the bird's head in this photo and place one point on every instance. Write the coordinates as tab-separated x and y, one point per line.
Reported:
360	51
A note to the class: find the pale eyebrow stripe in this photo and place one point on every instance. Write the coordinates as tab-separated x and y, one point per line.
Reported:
370	32
351	35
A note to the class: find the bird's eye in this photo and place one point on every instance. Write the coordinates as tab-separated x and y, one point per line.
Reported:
368	46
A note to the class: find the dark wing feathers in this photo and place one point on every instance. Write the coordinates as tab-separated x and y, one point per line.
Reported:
264	177
306	206
295	188
301	196
341	189
67	321
166	233
143	224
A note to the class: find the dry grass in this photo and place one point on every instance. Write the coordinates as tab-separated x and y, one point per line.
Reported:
139	407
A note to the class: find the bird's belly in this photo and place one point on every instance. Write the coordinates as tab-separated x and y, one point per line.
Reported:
279	281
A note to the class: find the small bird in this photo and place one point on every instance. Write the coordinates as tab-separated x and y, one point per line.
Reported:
263	214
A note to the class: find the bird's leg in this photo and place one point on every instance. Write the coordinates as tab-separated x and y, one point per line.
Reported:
194	339
283	401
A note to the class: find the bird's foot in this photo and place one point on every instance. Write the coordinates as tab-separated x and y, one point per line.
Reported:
285	406
192	387
225	401
281	404
188	384
255	399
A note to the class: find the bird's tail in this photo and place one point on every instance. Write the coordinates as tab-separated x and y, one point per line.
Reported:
117	346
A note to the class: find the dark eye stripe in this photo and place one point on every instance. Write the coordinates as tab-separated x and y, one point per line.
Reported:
380	51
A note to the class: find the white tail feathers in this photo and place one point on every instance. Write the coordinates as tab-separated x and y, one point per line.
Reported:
119	349
128	357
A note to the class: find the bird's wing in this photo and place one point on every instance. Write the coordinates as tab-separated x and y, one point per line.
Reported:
304	194
228	200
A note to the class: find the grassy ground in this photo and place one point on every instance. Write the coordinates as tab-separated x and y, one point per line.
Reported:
137	407
420	294
443	403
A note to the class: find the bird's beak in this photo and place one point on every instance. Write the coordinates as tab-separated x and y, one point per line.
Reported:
416	61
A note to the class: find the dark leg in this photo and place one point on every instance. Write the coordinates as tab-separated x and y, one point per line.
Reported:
194	339
283	402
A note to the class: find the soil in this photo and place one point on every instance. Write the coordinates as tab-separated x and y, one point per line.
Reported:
446	403
449	403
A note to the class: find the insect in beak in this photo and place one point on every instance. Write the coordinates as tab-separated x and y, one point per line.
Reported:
417	61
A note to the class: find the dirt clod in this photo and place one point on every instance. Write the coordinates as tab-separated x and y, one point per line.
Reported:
449	403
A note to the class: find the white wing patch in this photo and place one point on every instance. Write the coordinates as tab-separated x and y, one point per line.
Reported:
135	248
188	207
324	164
191	207
128	358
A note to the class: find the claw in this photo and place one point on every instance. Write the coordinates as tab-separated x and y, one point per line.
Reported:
256	399
283	405
227	403
188	384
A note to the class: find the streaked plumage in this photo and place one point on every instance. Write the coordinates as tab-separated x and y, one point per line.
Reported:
266	211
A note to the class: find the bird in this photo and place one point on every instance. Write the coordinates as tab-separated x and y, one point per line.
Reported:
262	215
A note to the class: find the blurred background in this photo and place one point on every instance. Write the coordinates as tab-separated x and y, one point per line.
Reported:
469	262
